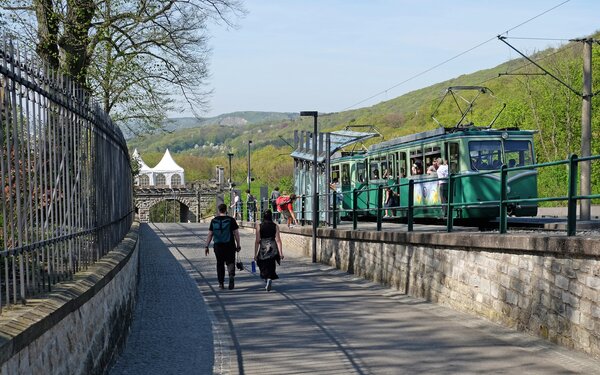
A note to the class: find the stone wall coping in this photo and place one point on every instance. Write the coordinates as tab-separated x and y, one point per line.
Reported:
22	325
537	243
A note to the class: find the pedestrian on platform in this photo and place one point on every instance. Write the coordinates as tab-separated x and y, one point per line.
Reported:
268	249
223	230
285	206
442	173
274	195
251	206
237	206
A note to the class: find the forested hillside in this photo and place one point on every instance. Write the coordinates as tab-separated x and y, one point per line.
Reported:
534	101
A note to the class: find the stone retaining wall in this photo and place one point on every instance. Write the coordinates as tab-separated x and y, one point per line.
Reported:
546	285
79	327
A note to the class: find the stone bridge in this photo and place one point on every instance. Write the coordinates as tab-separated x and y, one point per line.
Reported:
196	201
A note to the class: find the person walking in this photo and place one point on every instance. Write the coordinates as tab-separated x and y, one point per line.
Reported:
268	249
274	195
390	202
285	206
251	206
237	206
223	230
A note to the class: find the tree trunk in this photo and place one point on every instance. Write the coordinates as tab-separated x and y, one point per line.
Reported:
48	28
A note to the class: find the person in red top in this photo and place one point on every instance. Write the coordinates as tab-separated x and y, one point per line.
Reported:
285	206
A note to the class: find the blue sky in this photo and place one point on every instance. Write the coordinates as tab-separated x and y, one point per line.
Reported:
328	55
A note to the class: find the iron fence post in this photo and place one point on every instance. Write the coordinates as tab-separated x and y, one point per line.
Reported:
334	210
354	204
303	209
449	202
572	192
503	197
379	206
411	197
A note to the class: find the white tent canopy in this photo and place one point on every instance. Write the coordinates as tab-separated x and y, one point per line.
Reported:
165	173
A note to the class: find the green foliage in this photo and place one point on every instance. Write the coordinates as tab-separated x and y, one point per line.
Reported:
534	102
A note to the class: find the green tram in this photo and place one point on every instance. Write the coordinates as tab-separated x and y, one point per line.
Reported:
467	150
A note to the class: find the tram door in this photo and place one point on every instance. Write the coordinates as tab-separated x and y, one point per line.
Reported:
452	156
346	186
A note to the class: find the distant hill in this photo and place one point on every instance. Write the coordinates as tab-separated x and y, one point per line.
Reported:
229	119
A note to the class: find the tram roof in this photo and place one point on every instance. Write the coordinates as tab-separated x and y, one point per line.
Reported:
338	140
443	131
407	138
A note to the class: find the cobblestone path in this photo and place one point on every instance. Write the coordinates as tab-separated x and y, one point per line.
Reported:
317	320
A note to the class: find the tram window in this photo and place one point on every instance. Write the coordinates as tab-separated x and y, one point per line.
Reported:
374	170
518	153
345	174
376	166
453	157
402	164
431	154
485	155
335	172
416	162
360	172
385	170
391	165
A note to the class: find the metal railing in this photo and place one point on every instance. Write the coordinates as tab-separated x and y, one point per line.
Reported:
67	196
407	208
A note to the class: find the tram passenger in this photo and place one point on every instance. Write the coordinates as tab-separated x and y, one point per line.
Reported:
442	173
433	167
417	168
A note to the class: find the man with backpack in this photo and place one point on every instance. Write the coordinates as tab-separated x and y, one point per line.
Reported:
223	230
285	206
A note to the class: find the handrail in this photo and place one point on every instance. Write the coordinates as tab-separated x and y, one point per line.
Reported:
502	201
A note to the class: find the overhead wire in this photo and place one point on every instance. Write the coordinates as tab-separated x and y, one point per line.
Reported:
435	100
528	64
455	57
538	38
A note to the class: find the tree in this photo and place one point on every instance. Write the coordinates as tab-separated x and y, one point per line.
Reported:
135	56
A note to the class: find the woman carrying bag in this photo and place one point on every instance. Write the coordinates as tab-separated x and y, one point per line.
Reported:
267	249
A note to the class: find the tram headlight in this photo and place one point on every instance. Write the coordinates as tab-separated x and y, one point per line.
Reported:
505	135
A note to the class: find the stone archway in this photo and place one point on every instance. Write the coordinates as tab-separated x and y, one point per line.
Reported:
170	210
193	202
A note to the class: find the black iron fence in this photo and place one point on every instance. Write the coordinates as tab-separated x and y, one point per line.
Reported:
65	176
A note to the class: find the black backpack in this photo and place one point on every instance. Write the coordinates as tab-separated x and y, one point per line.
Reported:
222	230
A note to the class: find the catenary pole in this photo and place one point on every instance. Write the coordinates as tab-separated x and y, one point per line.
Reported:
586	131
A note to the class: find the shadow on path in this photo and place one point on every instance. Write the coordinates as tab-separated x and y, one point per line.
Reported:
171	329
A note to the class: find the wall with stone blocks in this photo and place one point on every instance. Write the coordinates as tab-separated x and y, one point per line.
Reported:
546	285
80	326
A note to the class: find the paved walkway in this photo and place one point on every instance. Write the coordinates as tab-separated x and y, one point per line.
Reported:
317	320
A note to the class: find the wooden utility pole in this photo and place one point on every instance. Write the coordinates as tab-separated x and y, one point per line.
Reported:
586	131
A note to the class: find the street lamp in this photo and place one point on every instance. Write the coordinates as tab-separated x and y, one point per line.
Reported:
315	213
230	155
248	178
